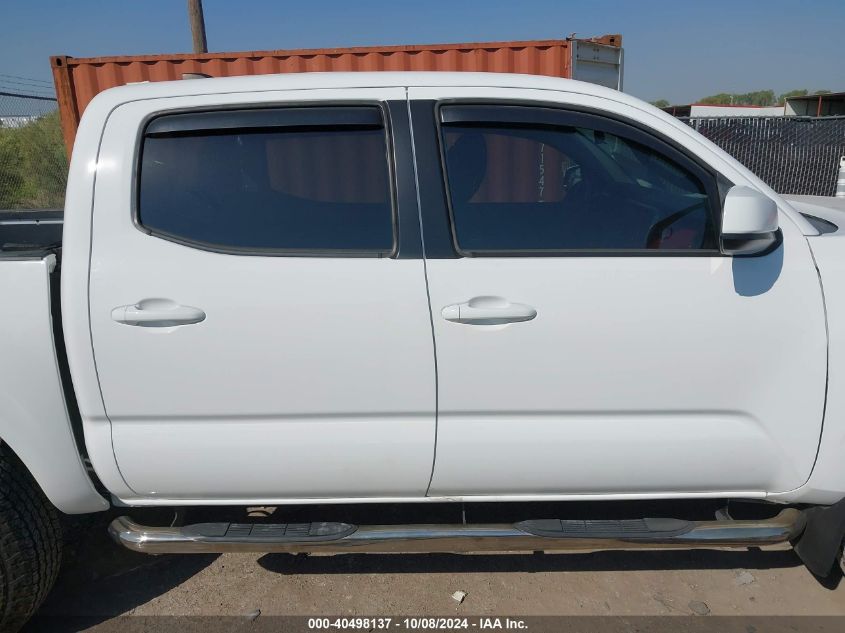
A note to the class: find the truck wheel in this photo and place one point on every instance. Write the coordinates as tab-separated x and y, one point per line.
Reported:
30	543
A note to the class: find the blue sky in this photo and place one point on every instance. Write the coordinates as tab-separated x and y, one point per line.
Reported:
675	50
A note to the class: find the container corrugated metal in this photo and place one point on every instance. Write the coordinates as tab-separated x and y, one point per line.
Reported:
78	80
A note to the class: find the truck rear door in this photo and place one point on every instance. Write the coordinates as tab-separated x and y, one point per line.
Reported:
257	298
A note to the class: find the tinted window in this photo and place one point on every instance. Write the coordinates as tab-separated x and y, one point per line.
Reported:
303	188
547	189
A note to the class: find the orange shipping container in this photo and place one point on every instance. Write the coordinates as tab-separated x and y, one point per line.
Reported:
78	80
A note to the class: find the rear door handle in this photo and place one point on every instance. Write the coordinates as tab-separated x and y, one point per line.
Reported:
488	311
157	313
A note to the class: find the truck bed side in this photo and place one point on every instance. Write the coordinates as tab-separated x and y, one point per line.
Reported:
34	419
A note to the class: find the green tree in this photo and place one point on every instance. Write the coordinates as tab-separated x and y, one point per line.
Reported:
760	98
660	103
12	181
756	98
723	98
33	165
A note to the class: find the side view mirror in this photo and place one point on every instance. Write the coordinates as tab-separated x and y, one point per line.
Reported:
749	222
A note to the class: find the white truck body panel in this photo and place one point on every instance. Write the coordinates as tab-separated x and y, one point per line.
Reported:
670	372
311	377
826	482
634	369
750	430
34	420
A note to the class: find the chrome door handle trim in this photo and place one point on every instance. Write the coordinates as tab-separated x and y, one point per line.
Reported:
488	311
157	313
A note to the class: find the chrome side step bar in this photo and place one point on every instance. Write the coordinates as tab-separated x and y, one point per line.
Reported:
541	535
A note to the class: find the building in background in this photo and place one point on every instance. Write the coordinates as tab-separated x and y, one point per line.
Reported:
696	110
831	104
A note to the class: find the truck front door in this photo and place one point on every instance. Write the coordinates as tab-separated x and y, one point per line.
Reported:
591	338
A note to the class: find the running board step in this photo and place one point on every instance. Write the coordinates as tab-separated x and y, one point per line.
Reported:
539	535
268	532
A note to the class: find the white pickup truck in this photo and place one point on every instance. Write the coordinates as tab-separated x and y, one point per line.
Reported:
321	290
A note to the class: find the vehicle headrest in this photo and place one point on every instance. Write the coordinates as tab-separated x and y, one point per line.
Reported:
467	163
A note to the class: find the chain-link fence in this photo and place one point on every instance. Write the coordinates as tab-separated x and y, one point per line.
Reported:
792	154
33	163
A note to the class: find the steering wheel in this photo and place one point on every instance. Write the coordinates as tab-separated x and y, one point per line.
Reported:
654	237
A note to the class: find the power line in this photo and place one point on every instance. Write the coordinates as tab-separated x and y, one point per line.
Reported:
28	93
30	80
40	81
11	85
24	83
4	93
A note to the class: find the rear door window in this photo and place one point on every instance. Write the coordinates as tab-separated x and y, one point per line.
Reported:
299	180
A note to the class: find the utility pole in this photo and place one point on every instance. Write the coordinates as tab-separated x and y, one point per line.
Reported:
197	26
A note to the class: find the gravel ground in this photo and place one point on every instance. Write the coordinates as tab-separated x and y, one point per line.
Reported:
101	581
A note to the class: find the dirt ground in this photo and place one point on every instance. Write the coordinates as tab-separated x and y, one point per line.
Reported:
101	581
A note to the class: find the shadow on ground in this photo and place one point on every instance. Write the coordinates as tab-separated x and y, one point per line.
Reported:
101	580
530	563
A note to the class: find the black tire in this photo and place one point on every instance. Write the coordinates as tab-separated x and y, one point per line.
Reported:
30	543
840	558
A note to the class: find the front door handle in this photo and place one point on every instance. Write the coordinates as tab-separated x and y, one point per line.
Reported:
488	311
157	313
